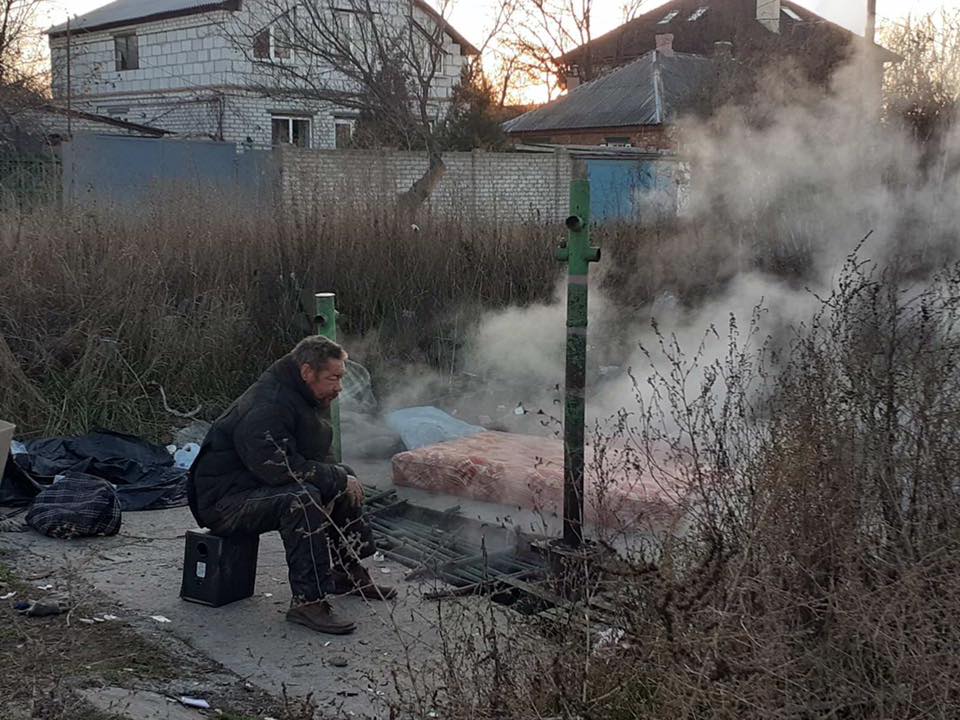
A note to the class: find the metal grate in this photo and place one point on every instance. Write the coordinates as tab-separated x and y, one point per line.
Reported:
442	545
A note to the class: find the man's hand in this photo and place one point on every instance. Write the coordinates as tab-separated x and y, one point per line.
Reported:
354	491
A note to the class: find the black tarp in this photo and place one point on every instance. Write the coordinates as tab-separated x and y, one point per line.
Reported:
142	473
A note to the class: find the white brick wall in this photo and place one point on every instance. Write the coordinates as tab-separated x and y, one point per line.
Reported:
190	61
175	54
507	186
234	116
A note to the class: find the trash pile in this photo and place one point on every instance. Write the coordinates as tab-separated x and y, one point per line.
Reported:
144	475
80	486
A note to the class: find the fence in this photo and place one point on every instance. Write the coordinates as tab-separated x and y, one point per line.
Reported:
120	171
514	186
29	181
129	172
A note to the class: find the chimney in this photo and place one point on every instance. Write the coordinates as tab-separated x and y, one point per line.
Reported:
768	14
665	44
871	34
723	50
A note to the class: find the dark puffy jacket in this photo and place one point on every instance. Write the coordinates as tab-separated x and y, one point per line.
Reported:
274	434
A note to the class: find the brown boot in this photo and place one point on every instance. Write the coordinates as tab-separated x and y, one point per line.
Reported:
356	580
320	616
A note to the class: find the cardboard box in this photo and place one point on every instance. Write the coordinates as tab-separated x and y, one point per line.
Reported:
6	435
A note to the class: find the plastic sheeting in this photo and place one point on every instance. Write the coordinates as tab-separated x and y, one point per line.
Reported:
527	472
143	474
422	426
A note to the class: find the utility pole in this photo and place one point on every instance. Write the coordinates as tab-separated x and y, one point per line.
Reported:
578	253
325	318
69	86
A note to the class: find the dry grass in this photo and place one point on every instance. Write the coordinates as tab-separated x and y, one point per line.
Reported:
818	573
97	311
818	576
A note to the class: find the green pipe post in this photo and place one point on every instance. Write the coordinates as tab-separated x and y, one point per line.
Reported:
325	317
578	254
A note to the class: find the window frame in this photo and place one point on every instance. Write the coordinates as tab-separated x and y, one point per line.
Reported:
292	118
124	59
350	122
276	52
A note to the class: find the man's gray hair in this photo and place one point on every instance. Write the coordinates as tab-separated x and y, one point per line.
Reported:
316	351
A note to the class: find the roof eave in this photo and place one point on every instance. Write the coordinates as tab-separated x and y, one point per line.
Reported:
585	128
466	47
145	129
231	5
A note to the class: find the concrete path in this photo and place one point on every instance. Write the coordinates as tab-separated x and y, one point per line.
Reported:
140	570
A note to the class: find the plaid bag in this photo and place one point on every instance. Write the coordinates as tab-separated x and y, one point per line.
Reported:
76	505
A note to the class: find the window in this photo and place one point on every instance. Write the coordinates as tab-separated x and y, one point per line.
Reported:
344	132
127	51
276	42
343	20
261	45
291	130
698	13
282	37
791	14
669	18
617	142
352	30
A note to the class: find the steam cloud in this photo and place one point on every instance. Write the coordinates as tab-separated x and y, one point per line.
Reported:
816	178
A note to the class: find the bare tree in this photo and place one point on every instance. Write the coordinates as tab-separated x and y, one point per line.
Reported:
923	90
21	73
381	59
543	32
18	36
631	9
546	32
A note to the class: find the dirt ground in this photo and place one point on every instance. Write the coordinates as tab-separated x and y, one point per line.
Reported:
52	664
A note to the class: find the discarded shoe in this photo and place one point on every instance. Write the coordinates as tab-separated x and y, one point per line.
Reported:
356	580
320	616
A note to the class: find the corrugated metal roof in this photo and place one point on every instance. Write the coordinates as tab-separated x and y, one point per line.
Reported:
648	91
122	11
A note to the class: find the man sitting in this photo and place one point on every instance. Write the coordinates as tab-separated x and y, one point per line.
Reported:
266	465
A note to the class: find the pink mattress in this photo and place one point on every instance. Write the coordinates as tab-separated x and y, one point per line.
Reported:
527	472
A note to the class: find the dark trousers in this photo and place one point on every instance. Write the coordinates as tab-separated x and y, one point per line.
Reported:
312	534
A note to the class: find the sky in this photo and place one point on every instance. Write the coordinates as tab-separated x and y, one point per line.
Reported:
470	16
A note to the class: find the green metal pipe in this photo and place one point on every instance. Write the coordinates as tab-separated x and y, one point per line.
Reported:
325	317
578	254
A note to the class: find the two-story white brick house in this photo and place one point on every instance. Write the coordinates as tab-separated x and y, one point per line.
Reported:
181	66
